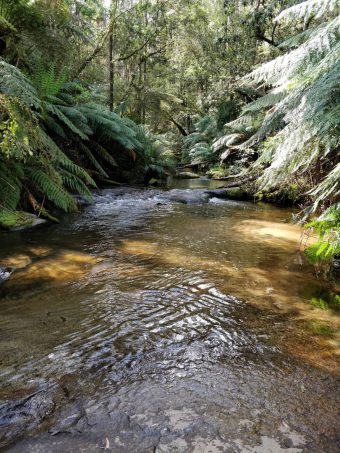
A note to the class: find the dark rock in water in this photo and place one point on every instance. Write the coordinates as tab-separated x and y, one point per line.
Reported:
218	193
231	193
82	201
187	196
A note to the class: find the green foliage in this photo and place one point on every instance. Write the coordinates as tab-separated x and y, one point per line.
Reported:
327	227
197	145
40	125
326	300
289	131
49	135
156	155
201	146
30	159
47	81
174	67
301	122
217	171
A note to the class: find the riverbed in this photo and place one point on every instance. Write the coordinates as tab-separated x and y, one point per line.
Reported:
166	321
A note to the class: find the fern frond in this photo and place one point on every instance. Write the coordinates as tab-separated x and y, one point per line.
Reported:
280	70
47	81
246	119
14	83
92	159
59	114
10	184
328	188
227	140
75	184
270	99
305	10
103	153
52	188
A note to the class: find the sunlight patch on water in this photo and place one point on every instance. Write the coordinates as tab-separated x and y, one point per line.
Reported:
270	231
61	267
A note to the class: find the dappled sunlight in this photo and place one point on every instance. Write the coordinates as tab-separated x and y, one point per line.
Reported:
175	256
40	251
178	293
140	248
62	267
269	288
269	231
16	261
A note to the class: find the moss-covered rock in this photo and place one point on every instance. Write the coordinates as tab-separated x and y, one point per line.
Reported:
18	220
231	193
237	193
285	196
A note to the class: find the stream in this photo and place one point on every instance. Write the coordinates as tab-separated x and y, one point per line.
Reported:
166	321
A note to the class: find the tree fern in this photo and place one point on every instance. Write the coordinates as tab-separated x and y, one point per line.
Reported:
89	155
76	185
279	72
48	130
300	111
10	184
197	146
305	10
25	144
157	155
14	83
103	153
51	185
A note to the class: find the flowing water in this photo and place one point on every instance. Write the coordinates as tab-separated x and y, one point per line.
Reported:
165	321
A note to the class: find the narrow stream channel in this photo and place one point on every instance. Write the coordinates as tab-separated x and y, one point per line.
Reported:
165	321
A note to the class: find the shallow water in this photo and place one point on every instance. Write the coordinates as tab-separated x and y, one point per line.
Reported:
144	324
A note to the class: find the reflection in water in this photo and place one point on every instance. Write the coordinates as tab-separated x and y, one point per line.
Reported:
175	324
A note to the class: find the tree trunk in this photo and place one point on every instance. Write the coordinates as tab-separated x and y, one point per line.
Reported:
143	94
111	71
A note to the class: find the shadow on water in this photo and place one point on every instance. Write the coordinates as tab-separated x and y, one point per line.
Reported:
144	324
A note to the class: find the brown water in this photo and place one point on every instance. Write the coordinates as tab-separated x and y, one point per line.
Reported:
143	324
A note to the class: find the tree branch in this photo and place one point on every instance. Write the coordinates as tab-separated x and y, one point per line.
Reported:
126	57
179	127
259	35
